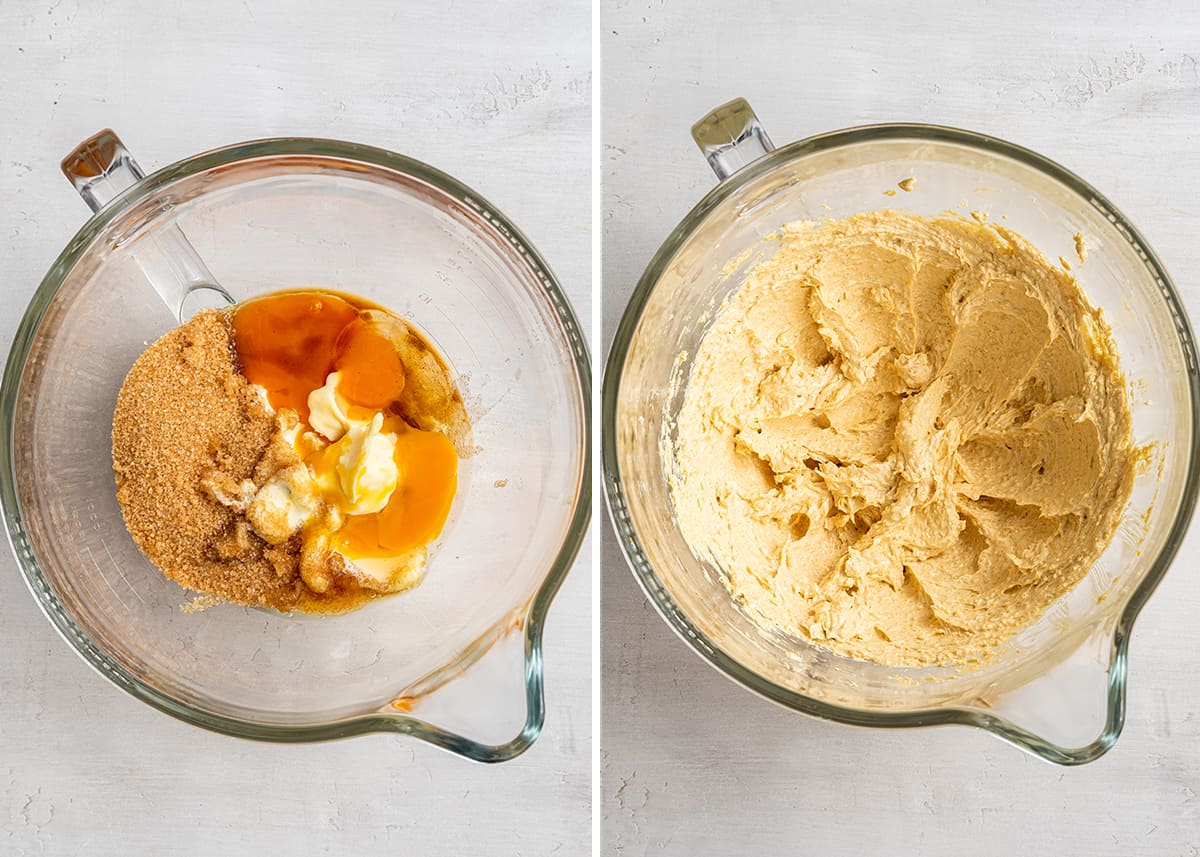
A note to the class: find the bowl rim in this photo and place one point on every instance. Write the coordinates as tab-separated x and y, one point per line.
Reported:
537	608
666	607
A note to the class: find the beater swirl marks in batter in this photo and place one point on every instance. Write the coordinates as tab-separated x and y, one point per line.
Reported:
903	438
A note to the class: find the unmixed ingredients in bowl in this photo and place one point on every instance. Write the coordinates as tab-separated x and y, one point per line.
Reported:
297	451
903	438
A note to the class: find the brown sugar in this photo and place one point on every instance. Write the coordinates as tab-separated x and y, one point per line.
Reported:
186	415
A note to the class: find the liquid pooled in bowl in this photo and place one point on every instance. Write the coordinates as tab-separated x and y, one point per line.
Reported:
903	438
297	451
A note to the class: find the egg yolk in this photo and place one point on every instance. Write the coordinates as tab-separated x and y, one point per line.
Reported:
372	374
417	509
288	343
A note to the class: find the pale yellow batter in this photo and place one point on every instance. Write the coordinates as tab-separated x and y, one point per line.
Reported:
903	438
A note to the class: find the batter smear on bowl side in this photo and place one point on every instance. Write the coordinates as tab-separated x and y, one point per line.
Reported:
297	451
903	438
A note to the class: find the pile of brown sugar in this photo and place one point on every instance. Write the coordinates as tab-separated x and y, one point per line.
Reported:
186	418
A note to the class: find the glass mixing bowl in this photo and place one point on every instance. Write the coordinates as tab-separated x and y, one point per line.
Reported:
260	217
1058	688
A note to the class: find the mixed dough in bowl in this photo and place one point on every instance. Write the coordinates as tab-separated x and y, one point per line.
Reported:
903	437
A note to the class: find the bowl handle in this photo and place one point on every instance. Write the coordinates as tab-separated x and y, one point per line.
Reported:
730	137
101	169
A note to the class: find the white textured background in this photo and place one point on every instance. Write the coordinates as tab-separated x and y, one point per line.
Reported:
692	764
497	94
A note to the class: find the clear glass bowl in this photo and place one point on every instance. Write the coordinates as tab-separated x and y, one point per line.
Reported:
1058	689
282	214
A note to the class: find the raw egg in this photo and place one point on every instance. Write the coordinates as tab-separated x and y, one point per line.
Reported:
289	343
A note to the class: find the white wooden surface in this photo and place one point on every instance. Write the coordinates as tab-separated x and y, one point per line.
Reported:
496	94
694	765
